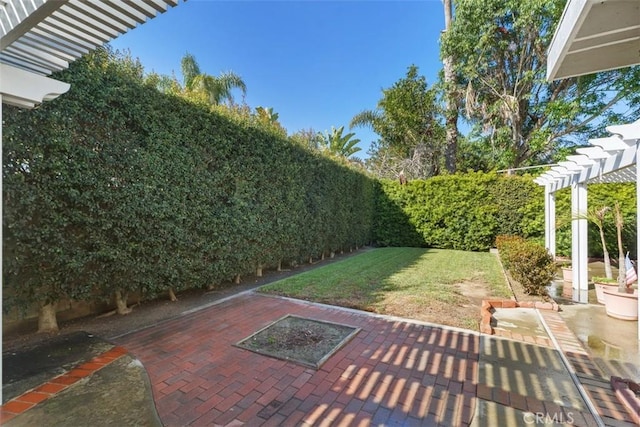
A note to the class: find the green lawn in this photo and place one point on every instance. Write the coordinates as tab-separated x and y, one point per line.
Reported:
442	286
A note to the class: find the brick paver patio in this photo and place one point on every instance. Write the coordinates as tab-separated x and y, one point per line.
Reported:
391	373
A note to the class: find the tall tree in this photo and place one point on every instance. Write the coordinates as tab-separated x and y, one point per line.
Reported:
451	99
215	89
411	136
338	144
500	49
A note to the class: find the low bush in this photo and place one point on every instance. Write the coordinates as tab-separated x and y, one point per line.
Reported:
528	262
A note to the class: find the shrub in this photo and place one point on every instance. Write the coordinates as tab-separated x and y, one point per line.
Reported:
461	211
505	245
528	262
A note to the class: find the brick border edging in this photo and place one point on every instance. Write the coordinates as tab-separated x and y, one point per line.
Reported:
31	398
627	397
488	305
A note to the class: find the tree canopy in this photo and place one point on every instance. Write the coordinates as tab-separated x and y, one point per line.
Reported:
338	144
411	134
500	48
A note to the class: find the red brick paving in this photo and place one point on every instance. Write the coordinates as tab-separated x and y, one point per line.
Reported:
391	372
28	400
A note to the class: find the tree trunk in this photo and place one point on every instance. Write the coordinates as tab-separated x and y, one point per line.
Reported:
172	295
451	101
47	321
605	253
622	273
236	280
279	265
121	302
259	270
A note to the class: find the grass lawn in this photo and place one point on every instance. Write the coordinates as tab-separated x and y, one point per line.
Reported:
433	285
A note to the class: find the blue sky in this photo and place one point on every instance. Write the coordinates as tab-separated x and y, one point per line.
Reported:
317	63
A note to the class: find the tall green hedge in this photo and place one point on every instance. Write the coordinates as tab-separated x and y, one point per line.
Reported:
467	211
116	186
463	211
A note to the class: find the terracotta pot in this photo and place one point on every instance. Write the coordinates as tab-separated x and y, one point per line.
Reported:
621	305
600	287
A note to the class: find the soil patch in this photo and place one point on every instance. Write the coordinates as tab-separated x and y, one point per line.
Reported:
308	342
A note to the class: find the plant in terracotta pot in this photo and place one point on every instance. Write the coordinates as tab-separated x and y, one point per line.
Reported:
622	303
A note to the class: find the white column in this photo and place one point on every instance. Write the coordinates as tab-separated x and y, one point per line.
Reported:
579	258
550	220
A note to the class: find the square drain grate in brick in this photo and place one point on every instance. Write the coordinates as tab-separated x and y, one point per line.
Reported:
308	342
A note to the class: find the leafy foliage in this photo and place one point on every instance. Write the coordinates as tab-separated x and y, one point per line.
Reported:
520	118
411	136
462	211
119	186
338	144
528	262
213	89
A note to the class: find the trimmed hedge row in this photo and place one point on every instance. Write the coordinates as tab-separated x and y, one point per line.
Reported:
464	211
117	187
468	211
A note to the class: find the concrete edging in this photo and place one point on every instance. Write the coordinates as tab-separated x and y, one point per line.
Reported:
488	305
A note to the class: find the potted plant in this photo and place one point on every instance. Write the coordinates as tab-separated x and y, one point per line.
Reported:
622	303
596	216
567	275
602	283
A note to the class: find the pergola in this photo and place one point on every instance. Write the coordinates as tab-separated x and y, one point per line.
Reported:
38	37
592	36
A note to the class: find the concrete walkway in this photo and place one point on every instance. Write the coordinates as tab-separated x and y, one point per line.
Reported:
393	372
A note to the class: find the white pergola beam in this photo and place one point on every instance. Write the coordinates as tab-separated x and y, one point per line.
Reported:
25	24
593	36
43	36
24	89
594	153
629	131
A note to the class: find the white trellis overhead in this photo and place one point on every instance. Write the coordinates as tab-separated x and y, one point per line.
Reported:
38	37
606	160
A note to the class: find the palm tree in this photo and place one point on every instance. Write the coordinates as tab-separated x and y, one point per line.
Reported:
267	115
338	144
216	89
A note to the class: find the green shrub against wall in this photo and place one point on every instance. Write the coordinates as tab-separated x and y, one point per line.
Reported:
116	186
467	211
462	211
